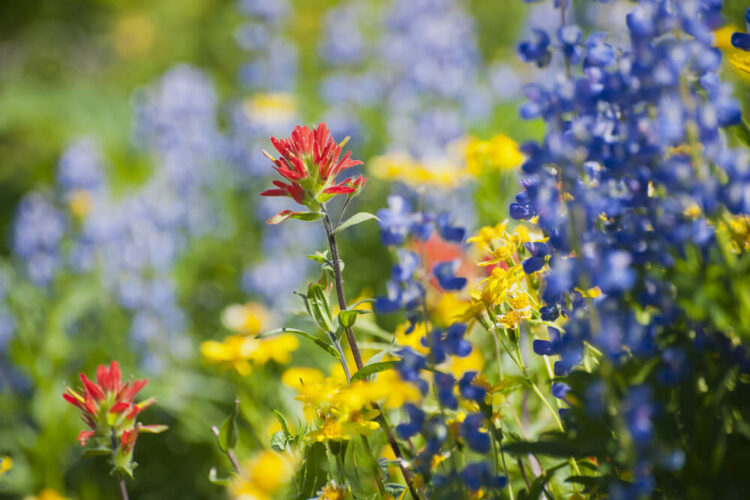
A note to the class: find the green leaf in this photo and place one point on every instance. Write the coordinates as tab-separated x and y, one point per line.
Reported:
550	448
314	472
372	369
279	441
288	214
228	434
320	343
585	480
319	257
535	491
320	306
743	132
219	481
348	317
355	219
284	426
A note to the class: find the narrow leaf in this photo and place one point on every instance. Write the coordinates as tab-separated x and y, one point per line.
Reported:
284	426
320	343
228	433
320	306
355	219
372	369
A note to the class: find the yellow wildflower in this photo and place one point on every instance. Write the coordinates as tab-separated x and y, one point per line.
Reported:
473	362
738	59
338	426
413	339
692	211
263	476
499	245
591	293
391	390
134	36
513	318
47	494
738	228
6	464
240	352
250	319
297	377
80	203
332	491
499	153
272	108
402	167
449	309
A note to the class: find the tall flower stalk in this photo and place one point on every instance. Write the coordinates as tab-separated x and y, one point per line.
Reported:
310	160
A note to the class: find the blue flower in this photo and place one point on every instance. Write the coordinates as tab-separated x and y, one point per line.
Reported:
398	221
477	440
415	423
742	40
479	475
410	365
445	384
639	411
445	272
447	231
538	259
470	391
536	49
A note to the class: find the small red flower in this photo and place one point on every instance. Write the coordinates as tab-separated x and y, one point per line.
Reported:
109	410
108	394
310	161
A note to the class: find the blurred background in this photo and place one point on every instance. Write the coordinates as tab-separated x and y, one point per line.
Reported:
130	162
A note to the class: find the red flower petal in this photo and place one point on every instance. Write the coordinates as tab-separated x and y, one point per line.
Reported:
91	388
339	190
119	407
84	436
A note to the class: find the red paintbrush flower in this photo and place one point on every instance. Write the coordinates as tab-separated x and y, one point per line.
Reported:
310	161
108	409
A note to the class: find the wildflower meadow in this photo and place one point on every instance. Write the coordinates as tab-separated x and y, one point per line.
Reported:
375	249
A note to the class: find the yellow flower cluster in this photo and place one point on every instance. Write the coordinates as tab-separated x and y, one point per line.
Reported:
262	476
6	464
332	491
463	160
343	410
275	108
506	291
47	494
249	319
498	153
738	227
241	353
404	168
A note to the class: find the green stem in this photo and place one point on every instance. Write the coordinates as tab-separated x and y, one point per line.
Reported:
339	282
